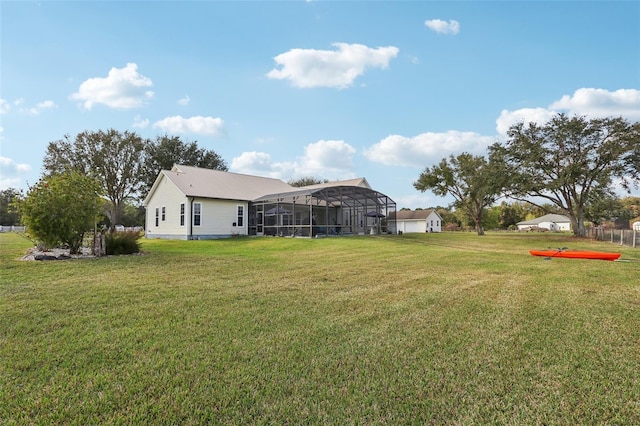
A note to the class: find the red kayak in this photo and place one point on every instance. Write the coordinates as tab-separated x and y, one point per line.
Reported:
576	254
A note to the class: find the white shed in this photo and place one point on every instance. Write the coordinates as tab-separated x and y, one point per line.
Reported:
427	220
549	222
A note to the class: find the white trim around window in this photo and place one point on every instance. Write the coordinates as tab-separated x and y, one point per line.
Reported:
197	214
240	216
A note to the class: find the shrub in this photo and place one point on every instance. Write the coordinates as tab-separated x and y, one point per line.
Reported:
59	209
126	242
452	227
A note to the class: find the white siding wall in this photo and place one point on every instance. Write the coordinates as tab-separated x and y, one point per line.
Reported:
554	226
433	223
218	217
551	226
216	220
168	196
408	226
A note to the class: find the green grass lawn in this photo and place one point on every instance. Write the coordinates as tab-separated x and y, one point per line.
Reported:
446	328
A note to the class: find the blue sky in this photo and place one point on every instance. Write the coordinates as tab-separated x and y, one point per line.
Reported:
329	89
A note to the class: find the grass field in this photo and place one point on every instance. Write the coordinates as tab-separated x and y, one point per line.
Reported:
446	328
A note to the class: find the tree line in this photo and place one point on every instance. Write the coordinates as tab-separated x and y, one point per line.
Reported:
616	212
573	163
124	164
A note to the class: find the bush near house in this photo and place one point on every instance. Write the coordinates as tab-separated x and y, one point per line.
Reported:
124	242
59	209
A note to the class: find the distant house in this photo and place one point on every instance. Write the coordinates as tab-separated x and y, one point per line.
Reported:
427	220
196	203
548	222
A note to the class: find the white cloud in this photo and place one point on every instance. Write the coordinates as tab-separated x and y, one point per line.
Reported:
601	103
10	166
123	88
12	173
426	148
198	125
4	106
39	108
585	101
443	27
140	123
265	140
307	68
332	159
259	164
184	101
46	104
525	115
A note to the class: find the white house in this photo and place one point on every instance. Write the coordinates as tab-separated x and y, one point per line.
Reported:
418	221
195	203
549	222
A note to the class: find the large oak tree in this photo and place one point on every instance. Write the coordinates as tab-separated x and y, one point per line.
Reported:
571	161
165	151
114	158
306	181
474	182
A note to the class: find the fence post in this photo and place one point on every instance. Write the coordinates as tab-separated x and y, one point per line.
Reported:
635	232
99	244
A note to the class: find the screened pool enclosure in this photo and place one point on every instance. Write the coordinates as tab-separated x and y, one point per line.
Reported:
324	211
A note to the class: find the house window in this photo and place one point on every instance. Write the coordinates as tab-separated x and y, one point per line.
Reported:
197	212
164	211
431	223
182	214
240	221
157	216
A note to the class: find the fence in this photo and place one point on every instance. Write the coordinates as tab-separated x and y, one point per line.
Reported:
24	228
626	237
12	228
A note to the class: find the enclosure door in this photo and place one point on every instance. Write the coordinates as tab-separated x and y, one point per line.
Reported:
259	230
